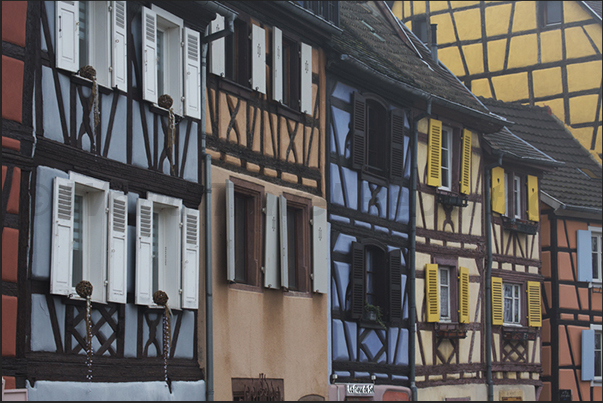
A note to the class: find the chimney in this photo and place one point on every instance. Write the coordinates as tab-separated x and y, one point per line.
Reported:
434	42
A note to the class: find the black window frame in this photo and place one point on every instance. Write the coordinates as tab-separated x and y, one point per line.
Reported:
544	9
300	207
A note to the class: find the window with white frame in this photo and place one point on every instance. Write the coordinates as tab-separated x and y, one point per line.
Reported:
446	158
89	238
592	366
517	196
444	287
511	304
590	255
93	33
596	253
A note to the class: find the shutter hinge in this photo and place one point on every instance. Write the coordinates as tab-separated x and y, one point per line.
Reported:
182	44
106	283
180	224
263	269
110	7
311	222
180	291
264	210
312	276
106	210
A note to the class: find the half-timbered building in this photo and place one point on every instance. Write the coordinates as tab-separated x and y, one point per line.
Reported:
102	135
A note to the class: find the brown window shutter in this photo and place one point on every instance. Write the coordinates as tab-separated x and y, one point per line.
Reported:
357	280
358	131
395	286
396	169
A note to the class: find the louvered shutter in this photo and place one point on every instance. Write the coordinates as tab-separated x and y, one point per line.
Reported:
117	259
271	255
283	241
144	252
192	75
67	35
357	282
432	293
358	131
588	355
434	163
498	190
119	62
533	198
277	64
149	55
534	307
320	250
397	144
497	301
190	258
230	231
584	255
258	59
217	48
463	295
395	286
465	187
61	262
306	79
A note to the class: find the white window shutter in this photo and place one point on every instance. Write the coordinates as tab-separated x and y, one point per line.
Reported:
117	258
149	55
230	232
190	258
584	255
588	355
277	64
283	241
320	250
119	57
306	79
62	236
217	48
271	273
258	59
144	252
192	73
67	35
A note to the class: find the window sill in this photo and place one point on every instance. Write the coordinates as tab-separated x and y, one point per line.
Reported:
451	199
245	287
519	225
450	330
373	178
154	108
234	87
105	89
518	333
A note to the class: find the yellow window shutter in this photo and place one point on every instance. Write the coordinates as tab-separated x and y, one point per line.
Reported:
532	198
434	168
466	163
498	190
534	311
497	301
431	292
463	295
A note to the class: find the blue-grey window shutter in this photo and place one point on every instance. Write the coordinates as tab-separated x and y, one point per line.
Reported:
585	260
588	355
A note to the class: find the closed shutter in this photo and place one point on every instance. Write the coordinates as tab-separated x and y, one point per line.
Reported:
62	236
119	62
149	55
397	144
533	198
192	73
230	232
358	131
585	260
144	252
190	258
434	163
117	259
306	79
588	355
67	35
357	282
497	301
432	293
498	190
258	59
320	250
466	163
283	241
277	64
271	255
217	48
463	295
534	308
395	286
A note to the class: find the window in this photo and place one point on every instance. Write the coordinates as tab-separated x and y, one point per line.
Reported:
376	280
378	139
446	159
517	196
87	243
446	299
444	286
591	355
419	28
512	304
295	239
508	306
244	231
93	33
590	255
329	10
167	251
169	68
550	12
514	195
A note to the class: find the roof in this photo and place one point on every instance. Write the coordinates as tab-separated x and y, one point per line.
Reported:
595	7
570	184
372	38
509	144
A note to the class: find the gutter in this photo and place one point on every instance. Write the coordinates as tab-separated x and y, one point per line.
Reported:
558	205
309	17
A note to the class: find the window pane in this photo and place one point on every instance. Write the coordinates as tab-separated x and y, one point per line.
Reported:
155	252
553	12
598	363
78	247
292	247
160	62
377	151
444	302
240	232
84	32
